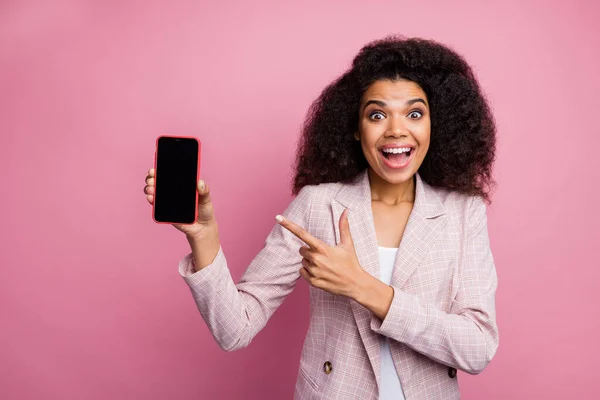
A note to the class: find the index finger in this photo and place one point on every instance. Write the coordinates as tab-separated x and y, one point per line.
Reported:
300	232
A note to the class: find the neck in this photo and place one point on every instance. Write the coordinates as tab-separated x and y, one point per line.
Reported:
391	193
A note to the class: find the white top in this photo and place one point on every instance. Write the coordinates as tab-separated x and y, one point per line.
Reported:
390	388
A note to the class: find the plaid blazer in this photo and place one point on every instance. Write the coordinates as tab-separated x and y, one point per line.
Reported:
442	316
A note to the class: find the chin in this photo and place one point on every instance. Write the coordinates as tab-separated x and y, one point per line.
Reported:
394	177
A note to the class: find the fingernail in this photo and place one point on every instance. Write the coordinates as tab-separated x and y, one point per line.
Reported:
202	185
279	218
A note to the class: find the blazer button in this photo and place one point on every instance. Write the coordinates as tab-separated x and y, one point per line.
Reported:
327	367
452	372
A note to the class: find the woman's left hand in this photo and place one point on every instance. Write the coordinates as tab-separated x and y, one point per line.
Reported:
333	269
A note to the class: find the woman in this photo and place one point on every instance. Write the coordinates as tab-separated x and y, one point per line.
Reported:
388	227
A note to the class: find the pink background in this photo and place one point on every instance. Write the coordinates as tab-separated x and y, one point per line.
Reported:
91	303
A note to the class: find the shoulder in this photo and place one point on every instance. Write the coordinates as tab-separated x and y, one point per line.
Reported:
311	200
318	195
466	208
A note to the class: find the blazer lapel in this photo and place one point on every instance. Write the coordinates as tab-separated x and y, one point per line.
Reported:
421	230
424	224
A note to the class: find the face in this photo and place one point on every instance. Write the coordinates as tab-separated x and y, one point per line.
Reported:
394	128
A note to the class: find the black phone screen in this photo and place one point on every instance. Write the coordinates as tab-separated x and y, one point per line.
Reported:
176	180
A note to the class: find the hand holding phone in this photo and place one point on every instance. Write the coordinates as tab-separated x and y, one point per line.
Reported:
174	190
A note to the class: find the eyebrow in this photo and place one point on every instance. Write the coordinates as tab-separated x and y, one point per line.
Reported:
383	103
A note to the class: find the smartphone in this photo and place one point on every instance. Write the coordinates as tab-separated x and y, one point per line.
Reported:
176	174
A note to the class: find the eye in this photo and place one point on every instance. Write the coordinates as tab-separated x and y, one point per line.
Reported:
415	111
376	113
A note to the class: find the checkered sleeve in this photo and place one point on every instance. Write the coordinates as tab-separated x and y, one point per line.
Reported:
235	313
467	337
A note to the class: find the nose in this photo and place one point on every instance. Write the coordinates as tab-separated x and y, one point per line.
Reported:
396	127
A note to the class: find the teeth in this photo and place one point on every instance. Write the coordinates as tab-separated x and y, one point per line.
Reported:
397	150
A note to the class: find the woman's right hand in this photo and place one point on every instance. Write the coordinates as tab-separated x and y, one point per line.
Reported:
206	219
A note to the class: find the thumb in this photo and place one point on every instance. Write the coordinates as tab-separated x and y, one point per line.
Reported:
345	235
203	193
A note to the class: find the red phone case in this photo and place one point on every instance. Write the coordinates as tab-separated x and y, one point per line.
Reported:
197	177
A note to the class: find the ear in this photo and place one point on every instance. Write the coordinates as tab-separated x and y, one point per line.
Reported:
357	136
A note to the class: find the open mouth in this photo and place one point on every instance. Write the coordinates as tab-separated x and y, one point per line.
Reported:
398	155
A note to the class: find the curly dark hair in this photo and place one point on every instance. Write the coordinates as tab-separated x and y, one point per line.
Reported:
463	131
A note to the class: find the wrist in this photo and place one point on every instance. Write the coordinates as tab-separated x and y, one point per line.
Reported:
361	288
208	231
375	295
205	246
